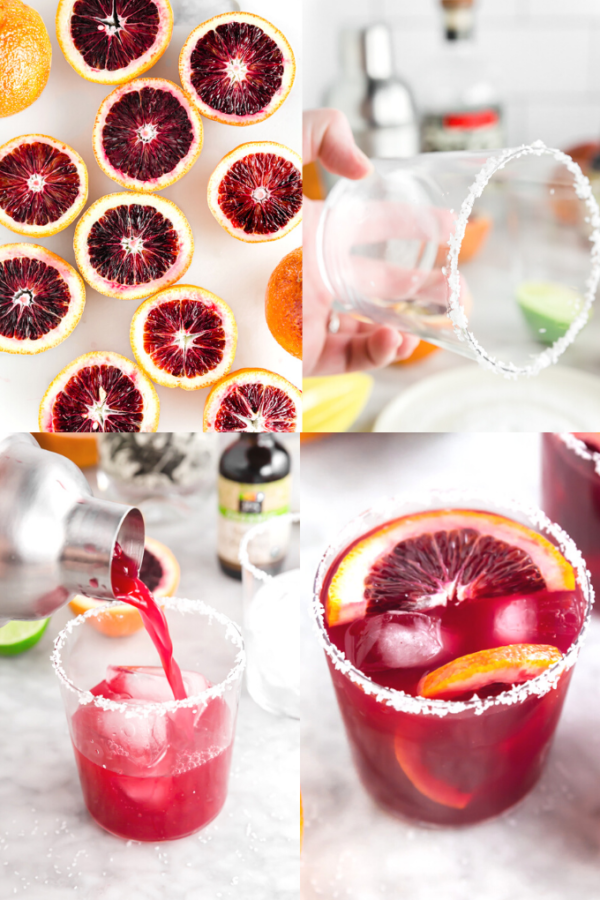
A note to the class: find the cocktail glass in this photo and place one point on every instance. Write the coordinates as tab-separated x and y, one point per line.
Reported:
571	493
272	616
493	255
153	769
439	761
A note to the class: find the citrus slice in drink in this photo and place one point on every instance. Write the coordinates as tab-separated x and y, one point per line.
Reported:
159	572
549	309
440	557
17	636
409	756
501	665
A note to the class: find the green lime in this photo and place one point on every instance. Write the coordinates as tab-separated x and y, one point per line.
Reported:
548	308
15	637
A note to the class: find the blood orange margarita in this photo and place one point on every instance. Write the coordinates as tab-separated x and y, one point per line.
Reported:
450	632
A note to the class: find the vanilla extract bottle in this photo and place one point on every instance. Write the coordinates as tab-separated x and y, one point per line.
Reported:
254	486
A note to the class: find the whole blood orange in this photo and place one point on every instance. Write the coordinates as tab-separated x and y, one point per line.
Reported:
184	337
237	68
147	134
130	245
255	193
82	449
100	391
283	303
41	299
113	41
253	400
25	56
43	185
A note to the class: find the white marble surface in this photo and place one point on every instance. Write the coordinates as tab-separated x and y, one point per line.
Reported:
549	846
50	848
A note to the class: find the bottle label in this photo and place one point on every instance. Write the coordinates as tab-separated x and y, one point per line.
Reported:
479	129
243	505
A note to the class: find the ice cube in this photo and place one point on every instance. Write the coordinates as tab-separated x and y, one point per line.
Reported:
394	640
516	622
130	746
148	683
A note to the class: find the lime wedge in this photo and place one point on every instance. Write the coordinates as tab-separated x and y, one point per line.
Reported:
548	308
15	637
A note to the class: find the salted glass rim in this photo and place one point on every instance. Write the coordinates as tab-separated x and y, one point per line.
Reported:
232	634
451	499
260	574
579	448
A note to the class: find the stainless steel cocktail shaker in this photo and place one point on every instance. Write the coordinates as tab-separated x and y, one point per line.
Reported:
56	539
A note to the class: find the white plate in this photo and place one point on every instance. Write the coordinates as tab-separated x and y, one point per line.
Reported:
471	399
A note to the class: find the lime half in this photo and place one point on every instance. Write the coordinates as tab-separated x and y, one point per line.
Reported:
548	308
15	637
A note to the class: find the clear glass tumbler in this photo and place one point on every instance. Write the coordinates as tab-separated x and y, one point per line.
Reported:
450	762
152	770
272	617
495	255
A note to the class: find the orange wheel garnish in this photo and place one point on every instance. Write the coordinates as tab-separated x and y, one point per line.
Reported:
283	303
501	665
25	56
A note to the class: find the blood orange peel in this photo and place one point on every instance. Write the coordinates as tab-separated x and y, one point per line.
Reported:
255	192
129	245
238	68
147	134
283	303
433	558
113	41
25	56
43	185
159	572
253	400
184	337
97	392
513	664
41	299
409	756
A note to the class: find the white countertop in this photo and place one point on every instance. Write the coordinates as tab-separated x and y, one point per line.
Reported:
51	849
548	847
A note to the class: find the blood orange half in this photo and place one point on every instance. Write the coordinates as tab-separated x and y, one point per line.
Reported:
130	245
41	298
184	337
253	400
147	134
113	41
255	193
43	185
440	557
237	68
99	392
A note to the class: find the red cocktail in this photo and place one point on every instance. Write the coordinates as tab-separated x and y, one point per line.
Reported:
450	635
571	491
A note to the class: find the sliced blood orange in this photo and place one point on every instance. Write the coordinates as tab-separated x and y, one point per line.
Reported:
159	572
253	400
440	557
41	299
113	41
130	245
184	337
410	758
255	193
147	134
98	392
43	185
237	68
501	665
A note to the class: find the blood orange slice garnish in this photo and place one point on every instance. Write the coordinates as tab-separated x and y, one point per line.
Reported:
130	245
237	68
41	298
184	337
440	557
253	400
43	185
113	41
98	392
159	572
501	665
147	134
255	193
410	759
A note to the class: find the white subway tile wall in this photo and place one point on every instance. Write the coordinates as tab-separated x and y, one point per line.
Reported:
546	52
